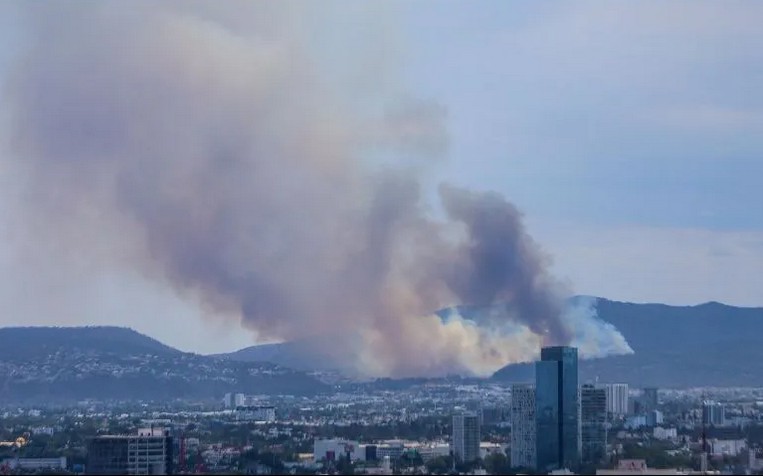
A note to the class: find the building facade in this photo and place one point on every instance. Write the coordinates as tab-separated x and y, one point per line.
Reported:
107	455
557	409
260	413
466	437
593	415
523	426
713	413
333	449
146	453
649	400
617	398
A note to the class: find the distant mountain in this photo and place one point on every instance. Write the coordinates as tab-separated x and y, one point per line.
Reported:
675	346
288	354
49	364
21	342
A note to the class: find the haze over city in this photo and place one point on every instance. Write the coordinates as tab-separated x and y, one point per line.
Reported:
626	136
381	237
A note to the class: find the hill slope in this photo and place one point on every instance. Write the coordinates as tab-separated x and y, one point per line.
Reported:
676	346
111	363
22	342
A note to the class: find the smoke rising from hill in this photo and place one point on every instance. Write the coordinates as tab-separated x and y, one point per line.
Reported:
218	155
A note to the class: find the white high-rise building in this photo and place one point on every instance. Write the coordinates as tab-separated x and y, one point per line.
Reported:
617	398
523	425
240	400
466	437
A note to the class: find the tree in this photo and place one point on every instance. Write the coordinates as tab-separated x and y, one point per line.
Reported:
497	463
344	465
440	464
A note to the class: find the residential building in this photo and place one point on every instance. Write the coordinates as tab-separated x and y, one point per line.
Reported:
265	413
466	436
239	400
557	409
523	426
713	413
617	398
661	433
593	403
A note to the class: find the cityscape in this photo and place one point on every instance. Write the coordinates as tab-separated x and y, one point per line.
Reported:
381	237
552	425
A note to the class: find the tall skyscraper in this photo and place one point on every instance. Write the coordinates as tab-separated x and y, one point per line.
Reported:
466	437
593	414
557	409
617	398
523	426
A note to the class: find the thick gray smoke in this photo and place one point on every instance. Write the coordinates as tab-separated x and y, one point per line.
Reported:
213	150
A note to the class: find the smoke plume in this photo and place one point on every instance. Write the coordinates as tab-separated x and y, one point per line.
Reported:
218	150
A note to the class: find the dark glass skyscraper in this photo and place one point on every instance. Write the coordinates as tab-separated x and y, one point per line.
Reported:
593	415
557	409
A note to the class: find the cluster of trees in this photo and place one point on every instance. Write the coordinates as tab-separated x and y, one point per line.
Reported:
657	456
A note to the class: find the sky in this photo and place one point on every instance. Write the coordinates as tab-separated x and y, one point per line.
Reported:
630	135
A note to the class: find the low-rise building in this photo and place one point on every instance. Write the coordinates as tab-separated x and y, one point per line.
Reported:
35	464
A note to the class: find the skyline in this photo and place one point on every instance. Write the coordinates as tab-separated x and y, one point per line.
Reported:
628	141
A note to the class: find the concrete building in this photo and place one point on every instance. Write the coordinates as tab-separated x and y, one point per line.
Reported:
239	400
262	414
654	418
433	450
719	448
391	450
713	413
660	433
557	409
523	426
617	398
593	403
148	452
466	436
333	449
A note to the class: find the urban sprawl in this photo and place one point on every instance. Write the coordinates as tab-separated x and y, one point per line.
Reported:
552	425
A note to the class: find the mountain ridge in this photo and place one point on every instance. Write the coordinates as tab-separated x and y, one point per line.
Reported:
64	364
707	344
711	329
